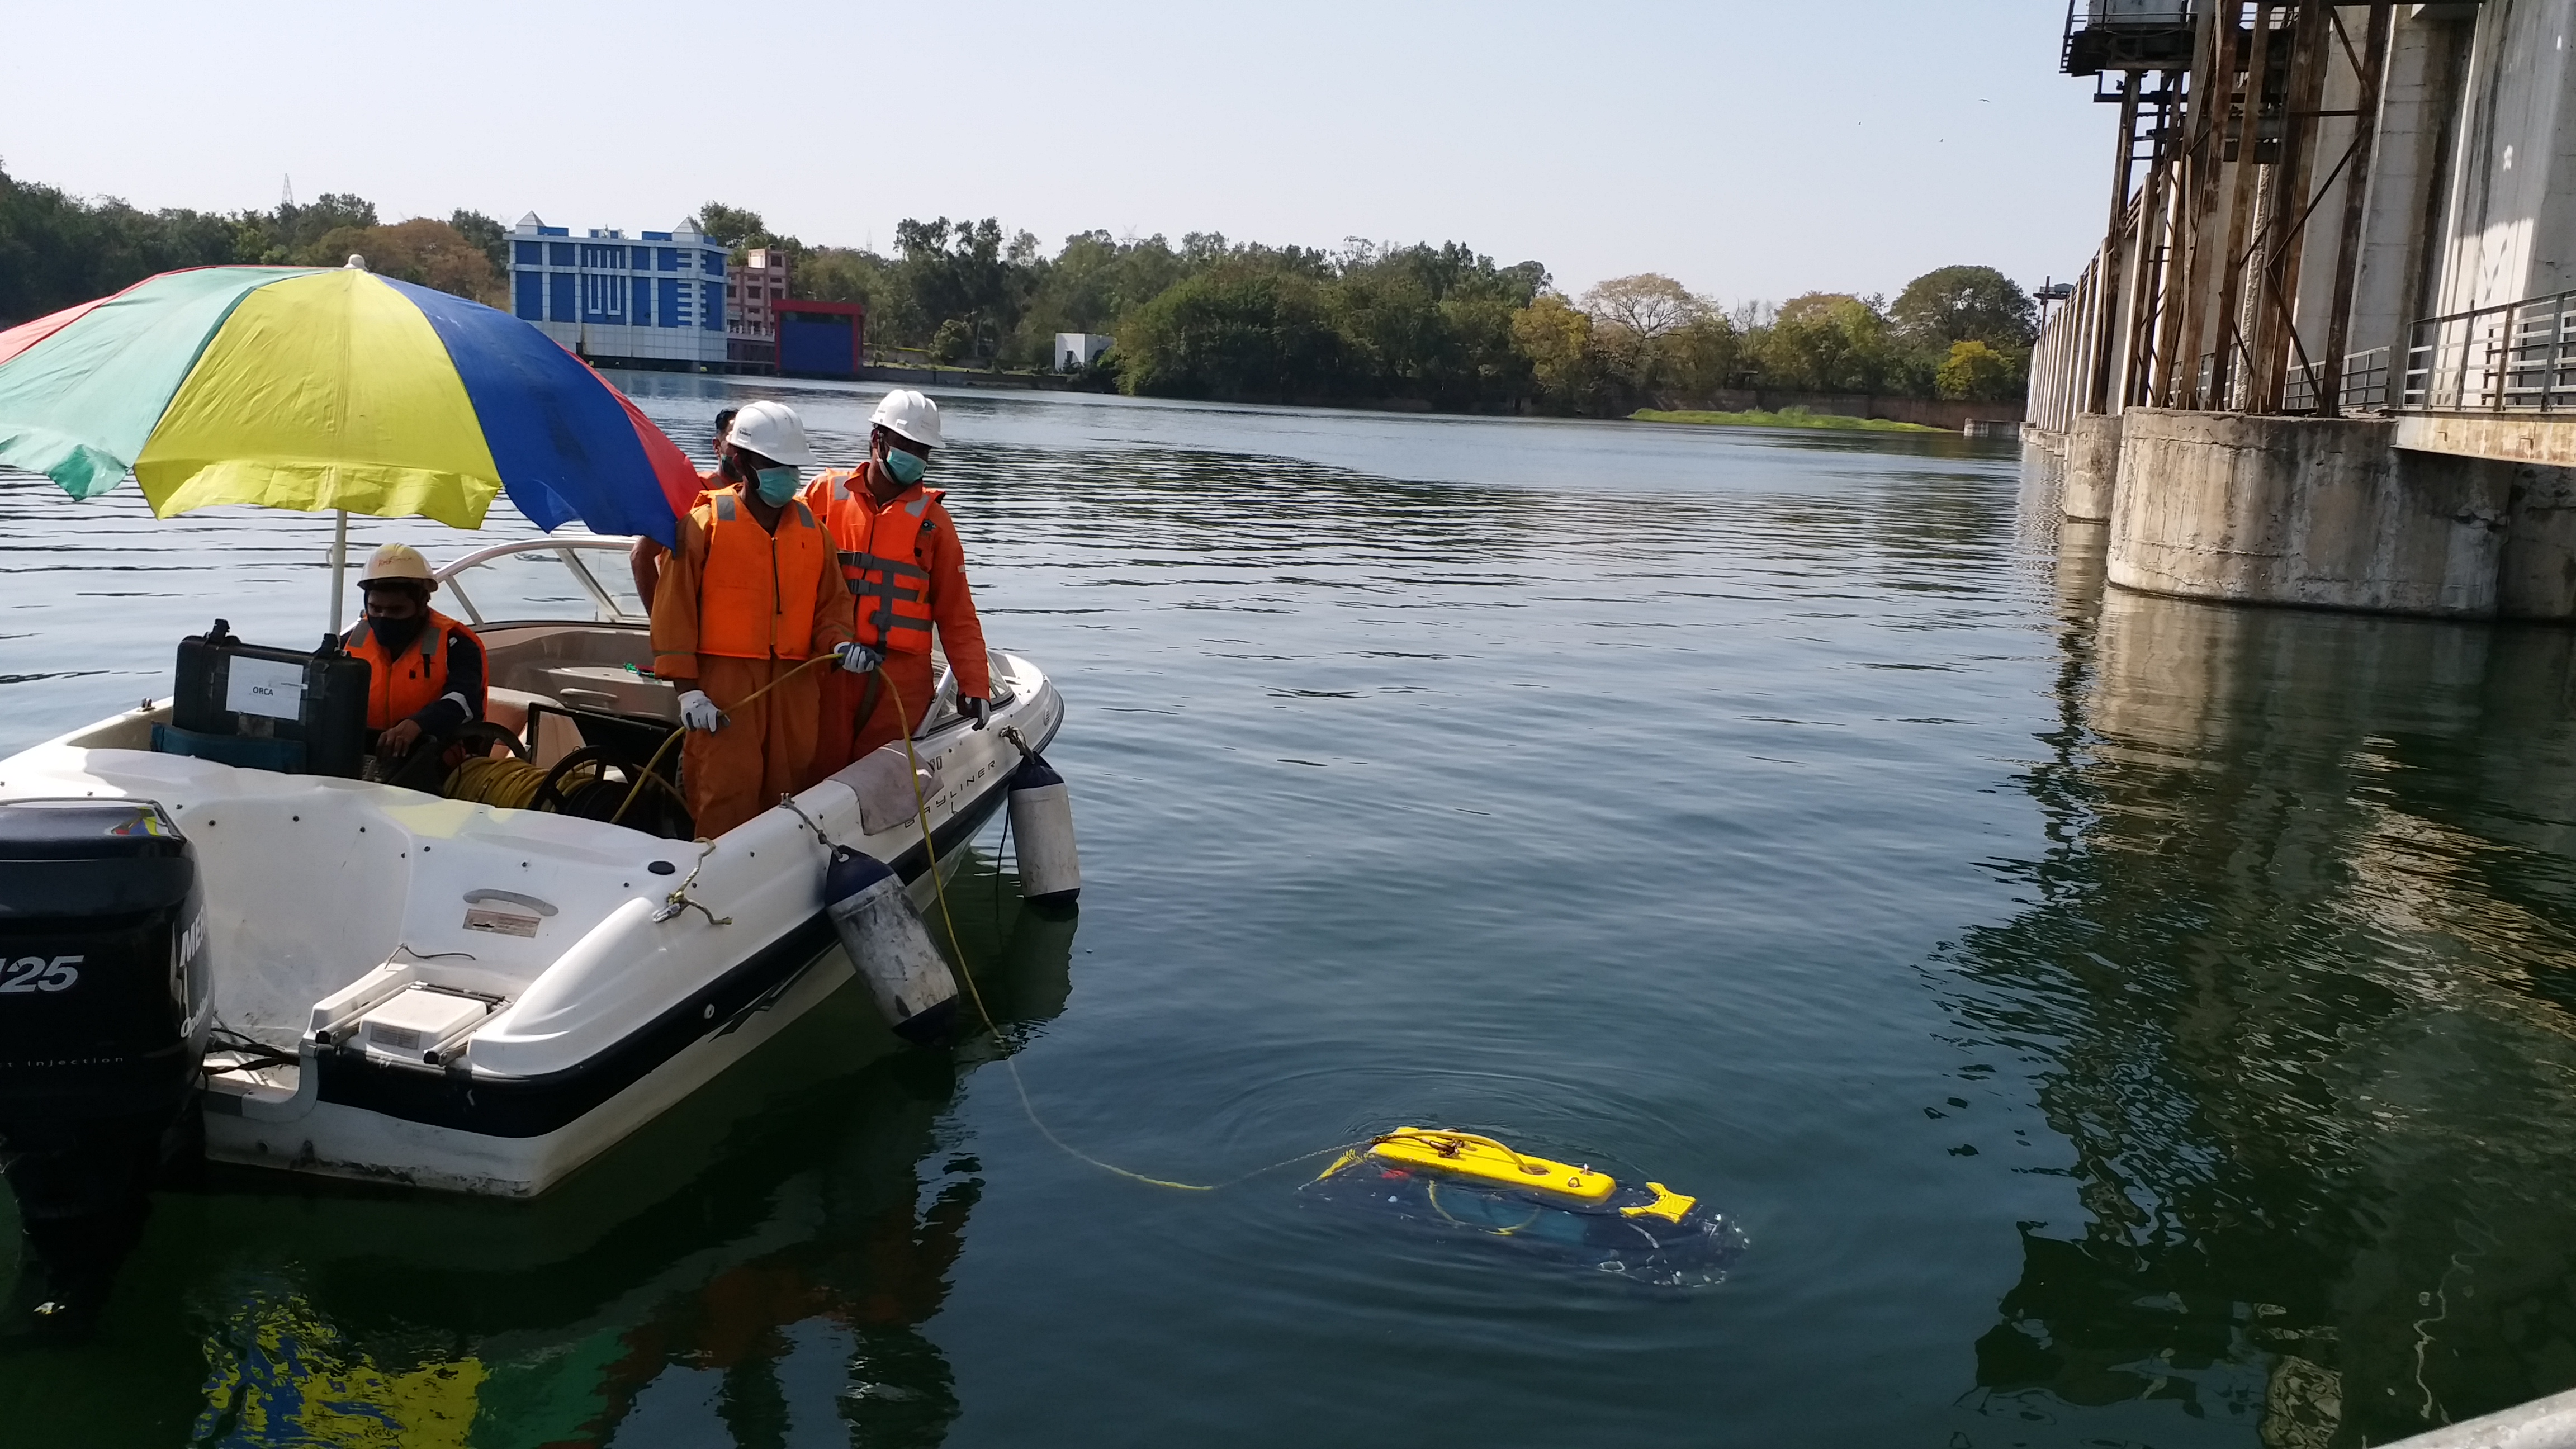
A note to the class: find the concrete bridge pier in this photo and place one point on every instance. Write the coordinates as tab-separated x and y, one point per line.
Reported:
2083	459
2092	465
2328	513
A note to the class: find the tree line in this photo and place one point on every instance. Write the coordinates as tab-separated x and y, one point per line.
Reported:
57	249
1439	326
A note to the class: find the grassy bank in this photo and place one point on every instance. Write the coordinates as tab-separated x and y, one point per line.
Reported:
1785	418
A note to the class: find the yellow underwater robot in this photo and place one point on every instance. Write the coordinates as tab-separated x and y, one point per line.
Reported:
1462	1182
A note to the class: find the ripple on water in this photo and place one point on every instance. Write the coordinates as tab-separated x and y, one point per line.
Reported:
2111	1018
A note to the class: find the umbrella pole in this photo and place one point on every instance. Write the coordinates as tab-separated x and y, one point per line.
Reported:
339	565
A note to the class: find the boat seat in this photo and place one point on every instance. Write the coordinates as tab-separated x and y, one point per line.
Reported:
508	708
610	688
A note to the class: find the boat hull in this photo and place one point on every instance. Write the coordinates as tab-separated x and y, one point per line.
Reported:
612	1017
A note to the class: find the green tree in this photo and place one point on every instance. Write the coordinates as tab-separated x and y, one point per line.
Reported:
421	251
1827	342
1080	291
839	274
1701	357
57	250
1094	282
1974	372
1481	368
486	233
1643	307
1556	338
1654	337
1955	304
292	235
738	228
1425	322
1236	333
959	272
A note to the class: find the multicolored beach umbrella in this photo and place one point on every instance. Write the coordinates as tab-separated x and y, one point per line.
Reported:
329	388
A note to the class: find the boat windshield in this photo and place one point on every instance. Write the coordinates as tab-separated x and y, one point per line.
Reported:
583	580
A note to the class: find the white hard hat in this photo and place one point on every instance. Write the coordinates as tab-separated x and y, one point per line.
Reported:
772	430
396	561
909	415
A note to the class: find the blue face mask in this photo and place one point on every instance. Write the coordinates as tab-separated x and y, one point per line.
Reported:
777	486
907	468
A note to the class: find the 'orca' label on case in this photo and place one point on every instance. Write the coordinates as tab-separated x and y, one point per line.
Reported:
264	687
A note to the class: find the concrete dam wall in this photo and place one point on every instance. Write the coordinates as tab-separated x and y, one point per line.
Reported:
2325	513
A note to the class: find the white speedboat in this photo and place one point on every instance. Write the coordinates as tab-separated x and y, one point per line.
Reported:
362	980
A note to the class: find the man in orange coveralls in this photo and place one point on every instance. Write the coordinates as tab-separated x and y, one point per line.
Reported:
749	594
907	573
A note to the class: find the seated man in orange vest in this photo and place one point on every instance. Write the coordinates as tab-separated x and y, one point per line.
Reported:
907	573
427	669
747	597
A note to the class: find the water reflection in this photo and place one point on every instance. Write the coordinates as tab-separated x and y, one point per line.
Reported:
2294	988
753	1269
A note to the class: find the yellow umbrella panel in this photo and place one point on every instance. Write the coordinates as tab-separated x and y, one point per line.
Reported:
328	390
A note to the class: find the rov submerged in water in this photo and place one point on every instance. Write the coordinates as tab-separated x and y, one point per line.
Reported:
205	918
1464	1184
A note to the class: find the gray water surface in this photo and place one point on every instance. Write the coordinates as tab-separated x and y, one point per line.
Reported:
2112	1020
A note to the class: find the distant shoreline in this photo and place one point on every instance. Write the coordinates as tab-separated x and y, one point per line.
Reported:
1786	418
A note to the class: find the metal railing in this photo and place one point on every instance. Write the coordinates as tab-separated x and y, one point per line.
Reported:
2364	387
2512	357
2367	379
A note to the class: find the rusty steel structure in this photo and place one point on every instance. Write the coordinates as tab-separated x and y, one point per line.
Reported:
2325	354
2220	191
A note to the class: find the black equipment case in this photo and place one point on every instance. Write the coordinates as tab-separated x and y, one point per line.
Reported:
250	720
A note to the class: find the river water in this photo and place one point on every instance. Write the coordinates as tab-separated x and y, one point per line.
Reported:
2112	1020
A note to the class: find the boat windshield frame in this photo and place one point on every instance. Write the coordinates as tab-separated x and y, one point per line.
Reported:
605	607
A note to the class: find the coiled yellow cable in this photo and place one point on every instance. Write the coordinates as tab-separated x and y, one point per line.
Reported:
496	780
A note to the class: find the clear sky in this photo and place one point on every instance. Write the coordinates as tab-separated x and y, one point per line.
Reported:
1754	150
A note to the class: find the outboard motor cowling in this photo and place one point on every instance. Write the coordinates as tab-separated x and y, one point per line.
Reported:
103	1026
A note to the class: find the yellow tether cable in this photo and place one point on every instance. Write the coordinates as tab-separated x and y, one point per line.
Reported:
939	889
501	780
656	762
513	784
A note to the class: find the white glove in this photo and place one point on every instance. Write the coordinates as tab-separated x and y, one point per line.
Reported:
978	710
857	658
700	713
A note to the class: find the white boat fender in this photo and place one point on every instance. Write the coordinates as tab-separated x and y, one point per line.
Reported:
888	945
1042	834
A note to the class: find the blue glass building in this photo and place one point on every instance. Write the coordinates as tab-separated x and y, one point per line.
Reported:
655	299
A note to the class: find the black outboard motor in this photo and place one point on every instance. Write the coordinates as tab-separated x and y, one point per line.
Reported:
103	1025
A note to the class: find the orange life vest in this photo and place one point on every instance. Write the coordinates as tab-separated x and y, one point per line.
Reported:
884	554
757	590
400	687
